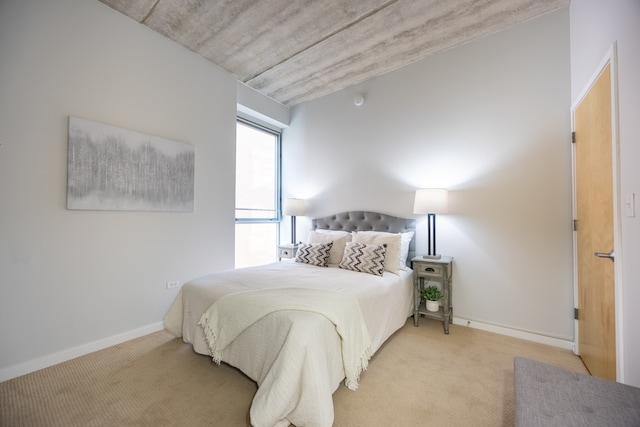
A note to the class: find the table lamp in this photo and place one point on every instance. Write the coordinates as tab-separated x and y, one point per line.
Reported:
431	201
294	207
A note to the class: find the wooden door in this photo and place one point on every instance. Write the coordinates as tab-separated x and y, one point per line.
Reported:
594	228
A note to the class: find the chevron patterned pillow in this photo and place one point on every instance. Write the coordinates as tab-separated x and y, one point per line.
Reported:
314	253
365	258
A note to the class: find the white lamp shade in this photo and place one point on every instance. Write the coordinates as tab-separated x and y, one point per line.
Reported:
294	207
431	200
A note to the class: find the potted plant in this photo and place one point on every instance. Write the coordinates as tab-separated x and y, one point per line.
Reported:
432	296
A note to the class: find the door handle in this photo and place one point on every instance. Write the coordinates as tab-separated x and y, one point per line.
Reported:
609	255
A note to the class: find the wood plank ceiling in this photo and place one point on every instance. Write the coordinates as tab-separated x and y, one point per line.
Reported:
299	50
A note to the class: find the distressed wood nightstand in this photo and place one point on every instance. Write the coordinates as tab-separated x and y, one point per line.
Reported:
287	251
437	270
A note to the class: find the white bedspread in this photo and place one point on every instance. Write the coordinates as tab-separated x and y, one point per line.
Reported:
294	356
229	316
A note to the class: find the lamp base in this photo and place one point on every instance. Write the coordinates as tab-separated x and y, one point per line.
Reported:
437	256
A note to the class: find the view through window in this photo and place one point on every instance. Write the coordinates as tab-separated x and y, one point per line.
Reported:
257	194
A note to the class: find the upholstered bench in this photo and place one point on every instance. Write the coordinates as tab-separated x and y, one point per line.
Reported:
547	395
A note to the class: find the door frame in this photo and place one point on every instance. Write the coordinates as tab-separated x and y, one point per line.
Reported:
611	59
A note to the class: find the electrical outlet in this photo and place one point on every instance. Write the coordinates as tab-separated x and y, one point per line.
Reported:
630	204
173	284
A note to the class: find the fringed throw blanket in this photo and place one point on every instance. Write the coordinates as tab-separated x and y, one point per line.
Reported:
233	313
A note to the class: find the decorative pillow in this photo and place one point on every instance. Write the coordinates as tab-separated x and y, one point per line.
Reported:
405	240
392	240
314	253
364	258
339	240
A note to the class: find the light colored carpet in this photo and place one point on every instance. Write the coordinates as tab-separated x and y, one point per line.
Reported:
419	377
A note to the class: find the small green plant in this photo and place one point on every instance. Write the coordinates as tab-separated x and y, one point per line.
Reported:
431	293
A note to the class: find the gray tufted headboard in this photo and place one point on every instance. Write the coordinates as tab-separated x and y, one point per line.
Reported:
368	221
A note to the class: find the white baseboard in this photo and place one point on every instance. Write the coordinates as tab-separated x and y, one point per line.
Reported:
528	336
53	359
63	356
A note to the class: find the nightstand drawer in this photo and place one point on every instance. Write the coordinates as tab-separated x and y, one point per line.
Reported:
287	251
430	270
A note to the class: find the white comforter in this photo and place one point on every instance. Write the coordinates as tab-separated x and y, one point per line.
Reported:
294	356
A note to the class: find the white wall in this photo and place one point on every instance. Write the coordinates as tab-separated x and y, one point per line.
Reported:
490	121
71	279
595	27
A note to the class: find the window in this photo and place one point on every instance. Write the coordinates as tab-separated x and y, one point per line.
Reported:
257	194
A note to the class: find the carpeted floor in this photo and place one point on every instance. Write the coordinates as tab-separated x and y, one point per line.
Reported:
419	377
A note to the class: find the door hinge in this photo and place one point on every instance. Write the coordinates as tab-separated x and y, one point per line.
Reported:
575	313
573	137
575	225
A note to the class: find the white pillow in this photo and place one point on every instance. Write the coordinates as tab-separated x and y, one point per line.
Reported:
339	241
404	248
392	261
405	241
339	233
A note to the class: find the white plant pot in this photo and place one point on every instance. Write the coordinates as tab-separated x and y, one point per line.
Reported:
433	305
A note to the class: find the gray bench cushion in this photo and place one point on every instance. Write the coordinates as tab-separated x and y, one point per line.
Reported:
547	395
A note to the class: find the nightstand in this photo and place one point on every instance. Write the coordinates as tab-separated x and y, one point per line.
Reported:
437	270
287	251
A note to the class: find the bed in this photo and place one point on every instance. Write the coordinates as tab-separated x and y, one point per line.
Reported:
300	327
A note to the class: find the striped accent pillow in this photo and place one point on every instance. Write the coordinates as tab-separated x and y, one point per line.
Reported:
365	258
314	253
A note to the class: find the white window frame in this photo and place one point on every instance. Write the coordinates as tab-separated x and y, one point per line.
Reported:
253	251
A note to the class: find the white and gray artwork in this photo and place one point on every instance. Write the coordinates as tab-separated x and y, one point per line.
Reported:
110	168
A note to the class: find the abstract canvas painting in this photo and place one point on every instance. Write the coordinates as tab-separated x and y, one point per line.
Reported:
110	168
